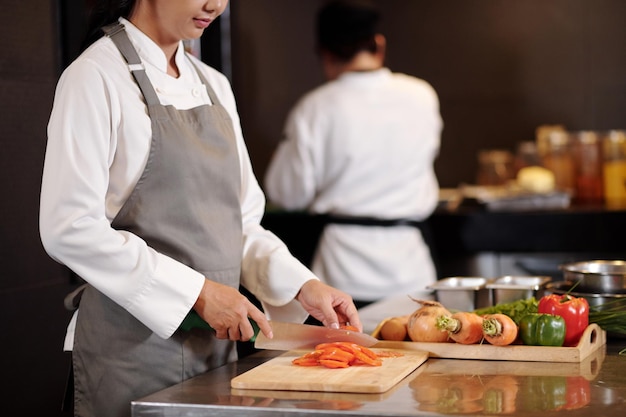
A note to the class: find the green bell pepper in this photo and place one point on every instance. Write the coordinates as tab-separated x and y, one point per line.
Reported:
540	329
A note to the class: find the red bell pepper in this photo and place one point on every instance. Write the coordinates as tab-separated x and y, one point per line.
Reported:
574	310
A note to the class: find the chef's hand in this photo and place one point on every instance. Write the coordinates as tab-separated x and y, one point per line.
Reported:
226	310
332	307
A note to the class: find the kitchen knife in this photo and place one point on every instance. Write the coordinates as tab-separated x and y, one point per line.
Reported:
288	336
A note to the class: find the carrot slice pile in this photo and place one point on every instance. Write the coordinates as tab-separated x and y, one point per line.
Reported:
340	355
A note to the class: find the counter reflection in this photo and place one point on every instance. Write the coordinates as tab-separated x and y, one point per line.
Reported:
502	387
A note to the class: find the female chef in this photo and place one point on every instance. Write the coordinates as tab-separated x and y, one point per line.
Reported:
148	194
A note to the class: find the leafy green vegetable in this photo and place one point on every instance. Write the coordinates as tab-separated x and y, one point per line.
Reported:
515	309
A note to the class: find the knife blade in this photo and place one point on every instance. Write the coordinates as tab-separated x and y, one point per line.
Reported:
288	336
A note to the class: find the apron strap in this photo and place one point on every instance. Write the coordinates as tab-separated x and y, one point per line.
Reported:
209	90
118	35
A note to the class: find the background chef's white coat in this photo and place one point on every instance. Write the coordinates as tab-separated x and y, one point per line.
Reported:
99	137
364	145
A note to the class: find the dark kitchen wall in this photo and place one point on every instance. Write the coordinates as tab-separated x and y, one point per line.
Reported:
501	68
32	286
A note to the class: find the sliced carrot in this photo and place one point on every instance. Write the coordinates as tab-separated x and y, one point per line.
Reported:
368	352
367	360
305	362
329	363
340	355
342	345
308	359
349	347
361	353
337	354
313	355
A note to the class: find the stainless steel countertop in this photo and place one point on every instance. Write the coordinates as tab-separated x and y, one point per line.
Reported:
596	386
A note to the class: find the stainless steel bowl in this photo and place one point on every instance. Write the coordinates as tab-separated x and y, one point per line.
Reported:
601	277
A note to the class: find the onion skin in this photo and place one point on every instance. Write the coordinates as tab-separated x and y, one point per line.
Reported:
422	325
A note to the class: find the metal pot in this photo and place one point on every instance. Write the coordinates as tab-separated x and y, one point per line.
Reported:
597	277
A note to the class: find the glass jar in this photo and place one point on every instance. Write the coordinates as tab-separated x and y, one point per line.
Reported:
588	163
526	155
556	155
495	167
614	168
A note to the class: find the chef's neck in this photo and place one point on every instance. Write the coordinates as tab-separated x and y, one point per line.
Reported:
168	44
363	61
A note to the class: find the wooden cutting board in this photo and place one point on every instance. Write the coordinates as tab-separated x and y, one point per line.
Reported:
280	374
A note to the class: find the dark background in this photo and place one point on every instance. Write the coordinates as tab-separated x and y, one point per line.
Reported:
501	68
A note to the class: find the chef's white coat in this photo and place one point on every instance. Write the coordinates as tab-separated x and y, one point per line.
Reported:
99	137
364	145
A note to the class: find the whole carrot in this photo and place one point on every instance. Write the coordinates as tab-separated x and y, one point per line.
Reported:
499	329
462	327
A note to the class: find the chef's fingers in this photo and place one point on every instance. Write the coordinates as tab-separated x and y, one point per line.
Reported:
349	311
330	317
259	318
234	334
328	305
340	310
318	299
222	333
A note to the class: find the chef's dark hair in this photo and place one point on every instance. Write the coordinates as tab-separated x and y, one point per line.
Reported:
102	13
346	27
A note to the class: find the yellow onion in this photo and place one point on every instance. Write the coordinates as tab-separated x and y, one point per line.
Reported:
422	325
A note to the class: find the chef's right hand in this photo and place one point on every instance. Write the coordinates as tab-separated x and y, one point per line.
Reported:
227	311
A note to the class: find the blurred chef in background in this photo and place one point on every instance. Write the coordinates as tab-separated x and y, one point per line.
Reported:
360	150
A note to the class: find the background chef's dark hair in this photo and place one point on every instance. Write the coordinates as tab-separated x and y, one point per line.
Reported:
101	13
346	27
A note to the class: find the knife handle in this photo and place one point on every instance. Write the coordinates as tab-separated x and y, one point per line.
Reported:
193	320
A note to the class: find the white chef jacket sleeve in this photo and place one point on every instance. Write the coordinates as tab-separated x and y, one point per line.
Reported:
74	227
290	179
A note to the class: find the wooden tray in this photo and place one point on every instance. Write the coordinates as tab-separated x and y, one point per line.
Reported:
592	339
589	368
280	374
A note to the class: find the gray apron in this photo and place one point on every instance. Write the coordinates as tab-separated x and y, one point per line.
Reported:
185	205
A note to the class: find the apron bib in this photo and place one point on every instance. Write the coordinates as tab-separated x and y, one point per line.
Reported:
185	205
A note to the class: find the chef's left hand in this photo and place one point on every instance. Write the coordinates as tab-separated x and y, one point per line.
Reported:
332	307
